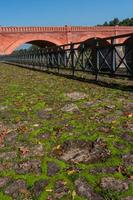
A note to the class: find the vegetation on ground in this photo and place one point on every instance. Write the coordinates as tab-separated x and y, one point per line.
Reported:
64	139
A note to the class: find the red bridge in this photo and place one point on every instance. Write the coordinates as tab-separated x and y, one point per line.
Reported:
13	37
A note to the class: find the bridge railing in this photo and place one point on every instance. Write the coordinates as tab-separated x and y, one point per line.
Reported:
96	57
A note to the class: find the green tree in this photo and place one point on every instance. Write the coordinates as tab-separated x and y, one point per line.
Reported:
116	21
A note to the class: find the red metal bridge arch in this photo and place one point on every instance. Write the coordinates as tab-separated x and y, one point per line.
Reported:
13	37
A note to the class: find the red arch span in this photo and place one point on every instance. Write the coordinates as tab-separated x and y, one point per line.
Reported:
26	39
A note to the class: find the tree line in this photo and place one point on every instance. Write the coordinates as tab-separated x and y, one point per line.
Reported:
116	21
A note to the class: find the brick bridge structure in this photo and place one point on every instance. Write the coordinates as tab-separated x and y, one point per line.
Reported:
13	37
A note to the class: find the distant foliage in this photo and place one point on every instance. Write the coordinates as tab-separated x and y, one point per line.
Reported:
116	21
33	47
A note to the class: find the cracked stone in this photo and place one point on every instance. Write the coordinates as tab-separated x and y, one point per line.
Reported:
88	104
52	169
4	181
33	166
119	145
128	159
109	119
70	108
76	95
127	198
111	107
104	129
85	190
17	189
38	187
48	109
43	114
63	122
60	190
44	135
69	127
109	170
2	108
127	137
11	139
31	151
128	126
83	152
8	155
110	183
128	106
6	166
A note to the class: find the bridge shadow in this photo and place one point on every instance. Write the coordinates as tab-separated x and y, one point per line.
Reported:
101	83
98	82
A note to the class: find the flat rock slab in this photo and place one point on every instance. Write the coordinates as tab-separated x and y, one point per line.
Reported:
32	166
4	181
83	152
52	168
17	189
6	166
128	159
26	151
76	95
110	183
85	190
88	104
2	108
44	135
70	108
60	190
39	187
43	114
11	139
108	170
127	198
6	156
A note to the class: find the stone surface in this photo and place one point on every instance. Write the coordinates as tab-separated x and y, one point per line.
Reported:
44	135
127	137
11	139
6	166
70	108
128	159
84	152
88	104
32	166
4	181
2	108
119	145
76	95
52	168
8	155
110	183
104	129
17	189
39	187
128	126
111	107
127	198
31	150
69	127
85	190
43	114
60	190
108	170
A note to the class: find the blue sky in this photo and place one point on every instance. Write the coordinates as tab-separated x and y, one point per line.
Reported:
62	12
